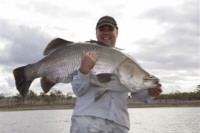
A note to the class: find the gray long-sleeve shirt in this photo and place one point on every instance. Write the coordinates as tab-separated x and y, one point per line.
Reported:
113	105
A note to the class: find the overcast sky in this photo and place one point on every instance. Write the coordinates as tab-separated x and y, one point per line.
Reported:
162	35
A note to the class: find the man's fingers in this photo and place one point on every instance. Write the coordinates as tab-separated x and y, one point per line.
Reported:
155	91
92	55
159	89
88	61
152	92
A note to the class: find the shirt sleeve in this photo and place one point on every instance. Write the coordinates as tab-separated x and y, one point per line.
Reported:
142	96
80	83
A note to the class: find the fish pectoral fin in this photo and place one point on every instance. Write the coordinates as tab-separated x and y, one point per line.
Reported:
46	84
105	77
101	93
54	44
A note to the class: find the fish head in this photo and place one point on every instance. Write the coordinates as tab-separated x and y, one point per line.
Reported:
129	74
134	77
151	81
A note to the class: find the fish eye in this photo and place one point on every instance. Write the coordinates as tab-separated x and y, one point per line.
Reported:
148	77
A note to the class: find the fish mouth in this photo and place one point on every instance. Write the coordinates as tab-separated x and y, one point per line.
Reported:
152	83
157	82
159	85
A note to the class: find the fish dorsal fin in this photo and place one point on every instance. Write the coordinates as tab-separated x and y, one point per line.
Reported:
54	44
103	44
119	49
98	42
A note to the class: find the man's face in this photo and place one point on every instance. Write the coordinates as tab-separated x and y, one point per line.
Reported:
107	34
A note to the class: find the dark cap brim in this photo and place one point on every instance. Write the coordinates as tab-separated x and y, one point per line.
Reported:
105	24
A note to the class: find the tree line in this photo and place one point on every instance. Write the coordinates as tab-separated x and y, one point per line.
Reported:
55	97
58	96
185	96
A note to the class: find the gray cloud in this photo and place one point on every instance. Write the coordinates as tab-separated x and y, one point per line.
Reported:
178	46
186	13
26	44
52	10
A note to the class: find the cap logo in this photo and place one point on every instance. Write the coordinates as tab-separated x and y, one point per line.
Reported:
108	20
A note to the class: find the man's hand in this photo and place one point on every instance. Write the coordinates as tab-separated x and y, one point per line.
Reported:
88	61
155	92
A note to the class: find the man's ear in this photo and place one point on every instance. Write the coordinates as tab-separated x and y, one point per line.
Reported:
96	33
117	33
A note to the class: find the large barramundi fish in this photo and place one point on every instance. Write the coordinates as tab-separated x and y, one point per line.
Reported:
63	59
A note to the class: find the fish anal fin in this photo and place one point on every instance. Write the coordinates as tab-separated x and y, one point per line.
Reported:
46	84
54	44
105	77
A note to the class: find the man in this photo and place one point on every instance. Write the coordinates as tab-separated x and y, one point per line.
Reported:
109	114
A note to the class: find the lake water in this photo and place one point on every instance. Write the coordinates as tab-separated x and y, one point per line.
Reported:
143	120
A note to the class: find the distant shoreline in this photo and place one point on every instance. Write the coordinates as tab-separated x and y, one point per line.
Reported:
130	105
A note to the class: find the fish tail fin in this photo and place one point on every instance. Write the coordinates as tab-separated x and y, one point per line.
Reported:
100	94
46	84
20	80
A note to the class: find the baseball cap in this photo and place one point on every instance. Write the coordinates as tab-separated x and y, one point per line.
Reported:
107	20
